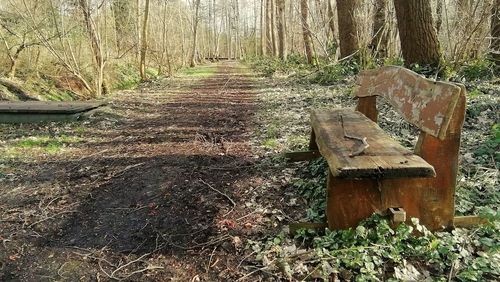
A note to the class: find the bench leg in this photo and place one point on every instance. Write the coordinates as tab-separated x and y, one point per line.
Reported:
349	201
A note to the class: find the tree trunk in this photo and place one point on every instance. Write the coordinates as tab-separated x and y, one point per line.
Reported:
269	27
144	41
379	32
419	41
273	29
306	32
195	33
281	29
348	36
14	59
495	33
262	29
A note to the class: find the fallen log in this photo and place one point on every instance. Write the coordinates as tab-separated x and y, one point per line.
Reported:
17	90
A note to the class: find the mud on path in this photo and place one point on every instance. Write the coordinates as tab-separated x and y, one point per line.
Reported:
154	191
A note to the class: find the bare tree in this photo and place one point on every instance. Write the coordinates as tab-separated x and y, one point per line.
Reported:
144	42
96	46
196	20
306	32
282	52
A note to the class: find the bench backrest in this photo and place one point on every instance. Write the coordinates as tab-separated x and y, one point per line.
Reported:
425	103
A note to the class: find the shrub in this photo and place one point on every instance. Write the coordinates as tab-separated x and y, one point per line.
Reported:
480	69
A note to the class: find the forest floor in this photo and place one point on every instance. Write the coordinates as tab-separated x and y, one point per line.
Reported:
162	185
183	179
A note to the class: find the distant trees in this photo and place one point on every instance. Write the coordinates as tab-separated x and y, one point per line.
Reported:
48	38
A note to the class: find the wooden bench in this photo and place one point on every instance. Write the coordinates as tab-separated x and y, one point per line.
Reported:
371	172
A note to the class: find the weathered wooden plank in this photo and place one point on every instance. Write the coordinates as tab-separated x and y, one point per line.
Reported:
384	158
39	107
425	103
302	156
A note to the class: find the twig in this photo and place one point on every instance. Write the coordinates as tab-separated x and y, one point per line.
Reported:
223	194
128	263
210	260
364	144
251	273
49	217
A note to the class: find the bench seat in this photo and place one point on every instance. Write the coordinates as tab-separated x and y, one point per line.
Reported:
384	158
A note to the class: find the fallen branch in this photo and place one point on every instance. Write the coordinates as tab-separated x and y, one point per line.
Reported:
223	194
364	144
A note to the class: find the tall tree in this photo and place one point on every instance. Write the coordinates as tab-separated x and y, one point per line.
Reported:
262	28
348	30
306	31
495	33
281	29
144	42
419	42
273	29
196	19
269	27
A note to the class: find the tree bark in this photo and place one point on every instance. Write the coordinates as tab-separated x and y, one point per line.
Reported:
282	52
419	41
348	34
495	33
144	42
306	32
195	33
379	32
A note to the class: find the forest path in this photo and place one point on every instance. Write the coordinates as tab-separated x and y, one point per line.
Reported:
157	190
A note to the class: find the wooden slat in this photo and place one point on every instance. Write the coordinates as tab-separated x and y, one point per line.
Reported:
385	157
425	103
39	107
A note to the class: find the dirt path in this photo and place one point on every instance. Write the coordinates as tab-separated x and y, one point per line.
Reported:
155	193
